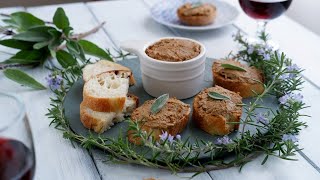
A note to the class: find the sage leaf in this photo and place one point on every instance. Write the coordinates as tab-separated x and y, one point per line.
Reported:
24	20
55	41
159	103
41	45
32	36
23	79
16	44
94	50
44	29
60	19
10	23
76	50
65	59
233	67
26	57
217	96
21	61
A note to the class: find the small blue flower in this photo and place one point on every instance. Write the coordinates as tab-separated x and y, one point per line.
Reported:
291	98
266	57
170	139
289	137
284	76
178	137
293	67
297	97
163	136
225	140
250	49
261	118
54	81
261	52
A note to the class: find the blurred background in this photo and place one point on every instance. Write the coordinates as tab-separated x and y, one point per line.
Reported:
305	12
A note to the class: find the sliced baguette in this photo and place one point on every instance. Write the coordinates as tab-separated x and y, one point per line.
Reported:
103	66
101	121
106	92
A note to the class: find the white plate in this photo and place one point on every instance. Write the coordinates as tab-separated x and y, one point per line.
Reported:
165	12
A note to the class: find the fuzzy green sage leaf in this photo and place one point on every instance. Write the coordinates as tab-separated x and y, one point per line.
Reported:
217	96
159	103
60	19
23	79
233	67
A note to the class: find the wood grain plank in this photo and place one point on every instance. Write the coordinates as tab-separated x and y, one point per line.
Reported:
274	169
56	158
127	20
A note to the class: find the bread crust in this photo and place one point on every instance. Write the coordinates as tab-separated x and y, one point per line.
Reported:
214	120
105	66
90	122
104	104
197	19
156	124
248	83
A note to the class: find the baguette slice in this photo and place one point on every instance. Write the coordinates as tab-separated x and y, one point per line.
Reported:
103	66
106	92
101	121
172	118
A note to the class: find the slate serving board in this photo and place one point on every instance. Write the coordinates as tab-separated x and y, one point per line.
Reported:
74	98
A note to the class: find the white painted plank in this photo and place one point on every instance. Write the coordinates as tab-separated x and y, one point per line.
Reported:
299	43
56	158
134	172
274	169
128	20
81	164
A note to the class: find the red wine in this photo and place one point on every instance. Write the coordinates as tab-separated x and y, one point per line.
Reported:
16	160
264	9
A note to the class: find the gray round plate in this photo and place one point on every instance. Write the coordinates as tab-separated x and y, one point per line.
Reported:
74	98
165	12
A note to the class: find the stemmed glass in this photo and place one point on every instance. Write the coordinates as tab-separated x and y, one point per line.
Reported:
17	157
264	11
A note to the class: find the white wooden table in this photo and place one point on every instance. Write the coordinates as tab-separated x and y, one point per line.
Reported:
128	20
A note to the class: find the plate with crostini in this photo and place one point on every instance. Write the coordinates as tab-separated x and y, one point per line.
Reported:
111	92
195	15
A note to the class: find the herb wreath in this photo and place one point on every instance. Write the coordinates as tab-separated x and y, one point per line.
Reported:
276	129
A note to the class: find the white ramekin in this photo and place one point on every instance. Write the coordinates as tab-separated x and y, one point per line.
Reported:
180	79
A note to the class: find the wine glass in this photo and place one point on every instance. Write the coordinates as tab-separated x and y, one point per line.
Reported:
264	11
17	157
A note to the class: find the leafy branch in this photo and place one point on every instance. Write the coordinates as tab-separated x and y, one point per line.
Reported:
37	41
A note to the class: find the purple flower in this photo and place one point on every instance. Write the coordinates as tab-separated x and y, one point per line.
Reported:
178	137
225	140
297	97
291	98
163	136
293	67
266	57
261	51
170	139
250	49
261	118
289	137
54	81
284	76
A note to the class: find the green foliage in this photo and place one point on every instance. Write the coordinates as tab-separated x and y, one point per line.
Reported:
60	19
94	50
65	59
40	41
23	78
23	21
